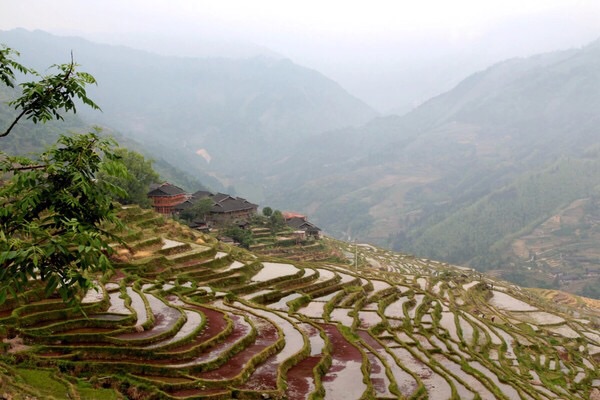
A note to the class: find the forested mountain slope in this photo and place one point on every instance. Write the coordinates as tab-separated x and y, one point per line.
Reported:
459	176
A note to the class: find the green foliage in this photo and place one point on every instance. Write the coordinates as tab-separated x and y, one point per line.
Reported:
8	66
242	236
52	208
476	233
136	181
198	210
267	211
50	216
42	100
277	221
44	381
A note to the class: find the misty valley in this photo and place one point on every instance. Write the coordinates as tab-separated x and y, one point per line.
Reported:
461	178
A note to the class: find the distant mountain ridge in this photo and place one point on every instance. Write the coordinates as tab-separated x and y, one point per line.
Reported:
240	114
416	182
512	145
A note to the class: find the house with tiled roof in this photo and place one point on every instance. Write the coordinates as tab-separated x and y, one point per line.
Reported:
225	208
300	223
165	197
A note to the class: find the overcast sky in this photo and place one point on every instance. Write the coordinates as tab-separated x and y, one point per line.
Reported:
375	49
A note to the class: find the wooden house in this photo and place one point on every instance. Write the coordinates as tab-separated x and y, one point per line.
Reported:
166	197
225	209
300	223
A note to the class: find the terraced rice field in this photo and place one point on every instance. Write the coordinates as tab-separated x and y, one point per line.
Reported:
186	317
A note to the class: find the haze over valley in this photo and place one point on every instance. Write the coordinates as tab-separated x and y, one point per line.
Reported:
439	181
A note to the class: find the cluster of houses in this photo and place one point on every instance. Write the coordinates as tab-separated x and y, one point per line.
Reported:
168	199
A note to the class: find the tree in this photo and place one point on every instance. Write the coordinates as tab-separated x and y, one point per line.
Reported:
198	210
137	180
52	208
243	236
42	99
51	217
267	211
277	221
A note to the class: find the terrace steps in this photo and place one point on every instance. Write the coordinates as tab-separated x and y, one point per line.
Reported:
217	325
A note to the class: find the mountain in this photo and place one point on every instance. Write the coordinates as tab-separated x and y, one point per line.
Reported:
460	178
30	139
184	316
464	173
225	117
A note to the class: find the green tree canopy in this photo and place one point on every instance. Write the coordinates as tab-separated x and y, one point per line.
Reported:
243	236
51	216
277	221
136	182
52	208
267	211
198	210
43	98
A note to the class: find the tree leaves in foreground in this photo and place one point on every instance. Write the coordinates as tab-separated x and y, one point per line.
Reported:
51	213
52	209
42	99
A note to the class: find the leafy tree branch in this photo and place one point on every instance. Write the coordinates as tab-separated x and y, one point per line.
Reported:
43	100
53	209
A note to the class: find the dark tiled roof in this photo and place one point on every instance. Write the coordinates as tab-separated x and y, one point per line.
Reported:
231	204
301	224
166	189
219	197
201	194
182	206
222	203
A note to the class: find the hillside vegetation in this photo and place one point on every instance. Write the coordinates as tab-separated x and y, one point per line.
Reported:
183	316
465	173
459	178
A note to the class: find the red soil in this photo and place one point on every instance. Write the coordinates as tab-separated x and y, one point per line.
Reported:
379	384
238	332
406	387
300	378
196	393
88	330
267	335
265	375
342	354
215	324
342	349
117	276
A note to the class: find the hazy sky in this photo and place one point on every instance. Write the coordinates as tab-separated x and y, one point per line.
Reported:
369	47
262	18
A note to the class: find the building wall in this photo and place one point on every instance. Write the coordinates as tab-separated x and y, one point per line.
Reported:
223	218
165	204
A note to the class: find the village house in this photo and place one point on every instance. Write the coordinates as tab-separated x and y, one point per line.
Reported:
233	209
165	197
226	208
169	199
299	223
